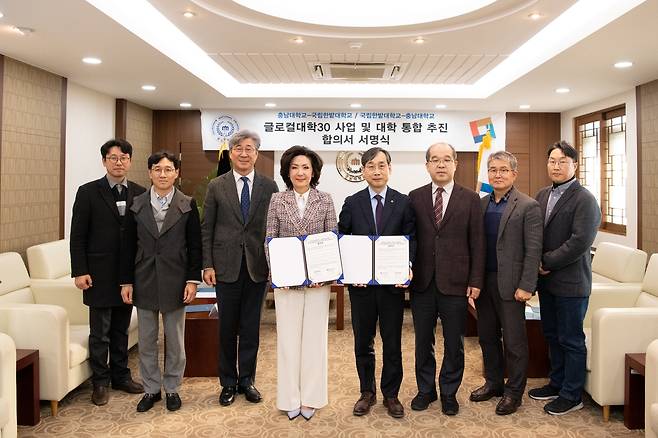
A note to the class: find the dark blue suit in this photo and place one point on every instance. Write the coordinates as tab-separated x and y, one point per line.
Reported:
385	303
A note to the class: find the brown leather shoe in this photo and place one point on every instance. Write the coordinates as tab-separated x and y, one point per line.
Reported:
100	396
129	386
365	402
507	405
484	393
394	407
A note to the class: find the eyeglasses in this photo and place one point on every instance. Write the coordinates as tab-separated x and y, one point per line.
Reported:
114	158
439	161
248	150
372	167
501	172
166	170
561	163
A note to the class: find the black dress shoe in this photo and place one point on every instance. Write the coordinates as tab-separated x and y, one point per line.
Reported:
422	401
485	392
129	386
364	403
507	405
227	395
250	393
148	401
100	396
173	401
449	404
394	407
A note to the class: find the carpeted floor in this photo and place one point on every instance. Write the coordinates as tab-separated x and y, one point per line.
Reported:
202	416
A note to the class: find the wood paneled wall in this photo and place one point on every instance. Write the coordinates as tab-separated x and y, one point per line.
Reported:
527	137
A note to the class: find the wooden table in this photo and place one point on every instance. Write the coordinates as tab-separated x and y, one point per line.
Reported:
538	362
339	290
27	387
634	390
201	342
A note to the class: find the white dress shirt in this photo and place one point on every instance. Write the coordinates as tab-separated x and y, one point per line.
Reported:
447	191
239	183
302	200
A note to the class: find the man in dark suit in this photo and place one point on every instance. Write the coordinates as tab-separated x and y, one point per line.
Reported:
449	269
233	233
97	229
378	210
513	229
164	263
571	219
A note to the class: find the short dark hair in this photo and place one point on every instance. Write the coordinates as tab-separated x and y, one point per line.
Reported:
371	153
157	156
122	144
566	148
290	154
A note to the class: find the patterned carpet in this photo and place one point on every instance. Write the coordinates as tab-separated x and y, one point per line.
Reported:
202	416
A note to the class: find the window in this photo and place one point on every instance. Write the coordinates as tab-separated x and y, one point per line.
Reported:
601	144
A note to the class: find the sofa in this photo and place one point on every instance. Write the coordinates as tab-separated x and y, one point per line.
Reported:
651	391
614	263
7	387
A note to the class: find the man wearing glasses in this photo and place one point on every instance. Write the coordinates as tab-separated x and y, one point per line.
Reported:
233	232
571	219
449	269
97	233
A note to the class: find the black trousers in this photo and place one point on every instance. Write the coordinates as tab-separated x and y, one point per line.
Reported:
503	339
426	307
108	333
239	304
370	304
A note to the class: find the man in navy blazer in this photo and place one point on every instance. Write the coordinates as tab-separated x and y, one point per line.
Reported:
378	210
571	220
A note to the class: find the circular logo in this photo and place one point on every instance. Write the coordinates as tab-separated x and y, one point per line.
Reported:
224	126
348	164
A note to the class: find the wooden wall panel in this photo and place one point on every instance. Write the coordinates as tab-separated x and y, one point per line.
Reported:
466	174
517	134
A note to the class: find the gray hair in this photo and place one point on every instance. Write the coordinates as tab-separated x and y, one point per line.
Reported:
504	155
242	135
427	152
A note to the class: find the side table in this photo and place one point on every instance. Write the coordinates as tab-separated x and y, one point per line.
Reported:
634	390
27	387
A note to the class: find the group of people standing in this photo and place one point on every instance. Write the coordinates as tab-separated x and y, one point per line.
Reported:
149	248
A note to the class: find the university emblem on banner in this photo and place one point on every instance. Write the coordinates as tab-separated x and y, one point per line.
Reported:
223	127
348	164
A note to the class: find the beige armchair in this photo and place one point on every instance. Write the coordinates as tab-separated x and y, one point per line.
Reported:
622	318
7	387
651	392
50	263
615	263
50	318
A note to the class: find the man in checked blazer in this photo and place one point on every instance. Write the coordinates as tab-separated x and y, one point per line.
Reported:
513	230
449	269
233	233
378	210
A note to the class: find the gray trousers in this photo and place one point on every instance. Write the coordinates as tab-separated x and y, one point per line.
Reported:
174	362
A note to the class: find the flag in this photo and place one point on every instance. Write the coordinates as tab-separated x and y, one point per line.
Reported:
483	135
223	161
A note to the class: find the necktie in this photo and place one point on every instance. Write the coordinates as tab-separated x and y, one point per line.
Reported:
162	201
438	205
378	212
244	198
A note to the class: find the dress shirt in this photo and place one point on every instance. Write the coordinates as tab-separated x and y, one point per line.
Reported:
447	191
302	200
556	193
239	183
160	211
373	201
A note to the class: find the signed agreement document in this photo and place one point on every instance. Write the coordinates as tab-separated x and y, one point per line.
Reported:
356	254
374	259
287	262
322	257
391	260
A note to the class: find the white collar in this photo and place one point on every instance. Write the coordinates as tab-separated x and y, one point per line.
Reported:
237	176
447	188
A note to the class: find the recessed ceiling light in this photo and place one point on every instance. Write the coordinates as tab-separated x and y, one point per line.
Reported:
91	60
355	105
419	40
355	45
562	90
148	87
534	16
524	106
440	106
185	105
189	14
21	30
298	40
1	15
623	64
270	104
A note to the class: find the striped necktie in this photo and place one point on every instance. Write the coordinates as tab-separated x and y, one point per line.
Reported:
438	205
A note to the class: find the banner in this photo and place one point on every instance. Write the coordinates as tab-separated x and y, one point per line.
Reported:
484	136
347	130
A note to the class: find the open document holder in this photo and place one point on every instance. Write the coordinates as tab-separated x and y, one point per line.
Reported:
374	260
303	260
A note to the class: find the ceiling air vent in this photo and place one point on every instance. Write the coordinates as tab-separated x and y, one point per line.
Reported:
359	71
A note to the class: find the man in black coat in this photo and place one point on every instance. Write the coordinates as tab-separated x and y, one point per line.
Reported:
571	220
97	229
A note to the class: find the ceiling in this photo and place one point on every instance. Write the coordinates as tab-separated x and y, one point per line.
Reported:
494	58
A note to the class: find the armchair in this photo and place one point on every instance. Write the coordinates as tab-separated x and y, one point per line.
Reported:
615	263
